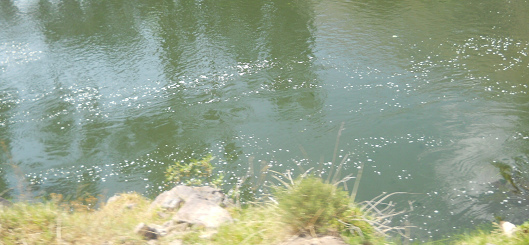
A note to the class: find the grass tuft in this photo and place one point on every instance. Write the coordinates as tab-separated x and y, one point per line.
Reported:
256	225
312	207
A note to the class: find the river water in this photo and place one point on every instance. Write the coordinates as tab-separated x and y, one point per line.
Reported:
100	96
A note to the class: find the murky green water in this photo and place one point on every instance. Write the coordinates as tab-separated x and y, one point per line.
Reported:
99	96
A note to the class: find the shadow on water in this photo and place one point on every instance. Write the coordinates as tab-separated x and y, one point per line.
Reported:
103	102
226	68
219	52
8	13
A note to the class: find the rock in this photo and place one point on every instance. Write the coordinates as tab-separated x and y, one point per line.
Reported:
508	228
148	232
197	206
173	199
211	194
202	212
169	200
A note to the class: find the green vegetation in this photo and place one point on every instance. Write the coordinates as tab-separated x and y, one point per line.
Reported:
311	206
255	225
196	172
58	222
308	207
497	236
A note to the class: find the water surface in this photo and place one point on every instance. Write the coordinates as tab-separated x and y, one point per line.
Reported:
100	96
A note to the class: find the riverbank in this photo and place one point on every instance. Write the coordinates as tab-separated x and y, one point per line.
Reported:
305	211
502	233
301	213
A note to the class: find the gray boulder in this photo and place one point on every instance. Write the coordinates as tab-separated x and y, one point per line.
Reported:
147	232
174	198
202	212
198	206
